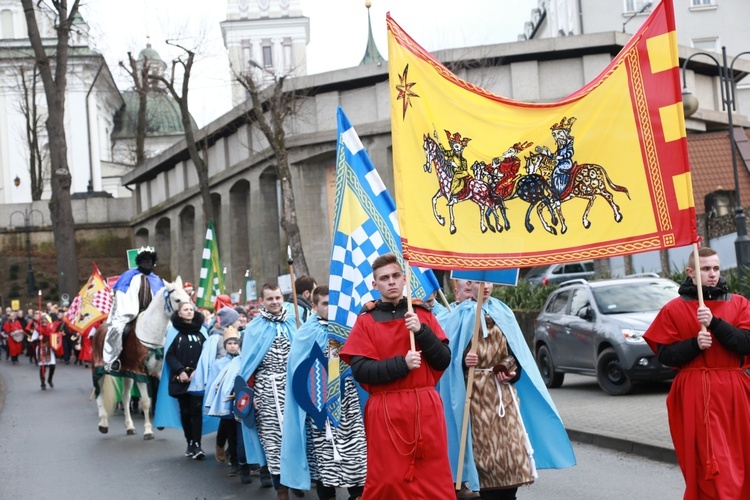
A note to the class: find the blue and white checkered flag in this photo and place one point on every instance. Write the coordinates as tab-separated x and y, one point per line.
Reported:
365	226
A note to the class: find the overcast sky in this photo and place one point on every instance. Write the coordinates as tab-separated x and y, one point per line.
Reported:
338	34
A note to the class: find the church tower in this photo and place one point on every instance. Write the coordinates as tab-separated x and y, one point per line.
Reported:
265	37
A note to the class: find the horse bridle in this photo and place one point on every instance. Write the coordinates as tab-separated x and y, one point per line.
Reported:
167	304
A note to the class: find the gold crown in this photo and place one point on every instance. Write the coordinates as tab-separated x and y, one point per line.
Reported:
564	125
230	333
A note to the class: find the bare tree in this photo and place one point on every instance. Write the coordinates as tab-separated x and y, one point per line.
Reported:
201	166
140	85
61	211
271	106
33	118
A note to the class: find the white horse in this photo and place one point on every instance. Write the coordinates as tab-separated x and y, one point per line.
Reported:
142	357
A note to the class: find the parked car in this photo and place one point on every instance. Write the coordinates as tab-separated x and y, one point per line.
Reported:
557	273
596	328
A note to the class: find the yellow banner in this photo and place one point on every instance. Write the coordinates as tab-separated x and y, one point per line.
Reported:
487	182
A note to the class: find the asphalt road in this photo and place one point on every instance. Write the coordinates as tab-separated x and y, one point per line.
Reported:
50	448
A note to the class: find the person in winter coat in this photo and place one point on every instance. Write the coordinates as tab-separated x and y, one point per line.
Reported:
182	358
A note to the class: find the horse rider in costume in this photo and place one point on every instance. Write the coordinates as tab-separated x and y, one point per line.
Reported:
563	156
455	156
133	293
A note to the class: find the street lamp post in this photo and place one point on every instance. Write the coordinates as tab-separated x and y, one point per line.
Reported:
690	105
27	219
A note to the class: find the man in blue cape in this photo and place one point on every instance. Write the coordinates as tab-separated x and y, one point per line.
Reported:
338	458
548	438
265	347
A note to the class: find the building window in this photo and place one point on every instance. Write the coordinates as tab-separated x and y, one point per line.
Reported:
708	43
6	24
634	5
703	5
267	56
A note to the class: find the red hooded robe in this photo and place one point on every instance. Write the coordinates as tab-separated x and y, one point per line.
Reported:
709	402
407	447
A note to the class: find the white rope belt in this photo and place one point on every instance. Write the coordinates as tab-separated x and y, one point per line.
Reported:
499	387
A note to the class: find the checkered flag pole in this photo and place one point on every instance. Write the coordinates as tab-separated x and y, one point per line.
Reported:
211	281
365	227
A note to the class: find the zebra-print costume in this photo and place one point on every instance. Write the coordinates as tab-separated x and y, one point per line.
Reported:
272	372
347	465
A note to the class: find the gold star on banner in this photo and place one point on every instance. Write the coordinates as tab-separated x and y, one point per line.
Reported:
404	90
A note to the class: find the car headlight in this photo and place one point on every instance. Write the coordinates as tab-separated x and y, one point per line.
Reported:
633	336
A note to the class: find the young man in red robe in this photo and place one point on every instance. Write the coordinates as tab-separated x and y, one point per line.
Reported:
407	450
709	402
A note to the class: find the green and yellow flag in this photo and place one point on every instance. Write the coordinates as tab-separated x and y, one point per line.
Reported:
485	182
211	282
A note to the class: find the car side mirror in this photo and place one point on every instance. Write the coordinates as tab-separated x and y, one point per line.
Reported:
585	313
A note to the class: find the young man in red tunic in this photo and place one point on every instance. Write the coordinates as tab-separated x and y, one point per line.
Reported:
407	450
709	402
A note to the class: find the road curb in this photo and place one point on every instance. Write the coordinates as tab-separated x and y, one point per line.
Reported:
652	452
2	392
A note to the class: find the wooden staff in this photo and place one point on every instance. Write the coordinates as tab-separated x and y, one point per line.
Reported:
443	299
290	261
409	307
469	386
698	281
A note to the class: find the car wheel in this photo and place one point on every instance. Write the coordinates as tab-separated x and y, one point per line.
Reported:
547	369
610	375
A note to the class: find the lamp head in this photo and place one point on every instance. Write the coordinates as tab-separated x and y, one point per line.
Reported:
689	103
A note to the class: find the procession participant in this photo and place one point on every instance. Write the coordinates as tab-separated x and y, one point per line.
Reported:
709	401
213	350
335	456
181	358
14	331
244	319
404	422
133	292
462	291
31	325
266	346
43	352
304	286
510	406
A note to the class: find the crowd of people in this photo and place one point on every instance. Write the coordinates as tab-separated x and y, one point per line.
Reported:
389	420
44	339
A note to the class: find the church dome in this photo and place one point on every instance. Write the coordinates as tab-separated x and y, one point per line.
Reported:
163	116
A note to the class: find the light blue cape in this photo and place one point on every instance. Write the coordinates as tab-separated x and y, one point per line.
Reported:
256	342
167	408
295	470
549	440
202	376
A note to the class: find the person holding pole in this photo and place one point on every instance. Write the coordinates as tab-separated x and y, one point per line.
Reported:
502	424
709	402
398	355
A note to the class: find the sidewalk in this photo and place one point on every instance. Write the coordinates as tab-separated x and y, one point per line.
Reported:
636	423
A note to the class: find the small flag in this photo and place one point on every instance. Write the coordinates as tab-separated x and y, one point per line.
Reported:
211	282
92	303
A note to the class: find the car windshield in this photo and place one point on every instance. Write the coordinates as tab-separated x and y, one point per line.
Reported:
634	297
535	272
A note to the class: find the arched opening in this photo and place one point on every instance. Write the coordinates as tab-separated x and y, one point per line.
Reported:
163	245
239	230
186	261
141	238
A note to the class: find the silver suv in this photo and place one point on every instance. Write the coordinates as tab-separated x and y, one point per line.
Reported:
557	273
596	328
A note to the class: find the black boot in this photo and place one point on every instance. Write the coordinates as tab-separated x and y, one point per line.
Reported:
245	474
265	477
